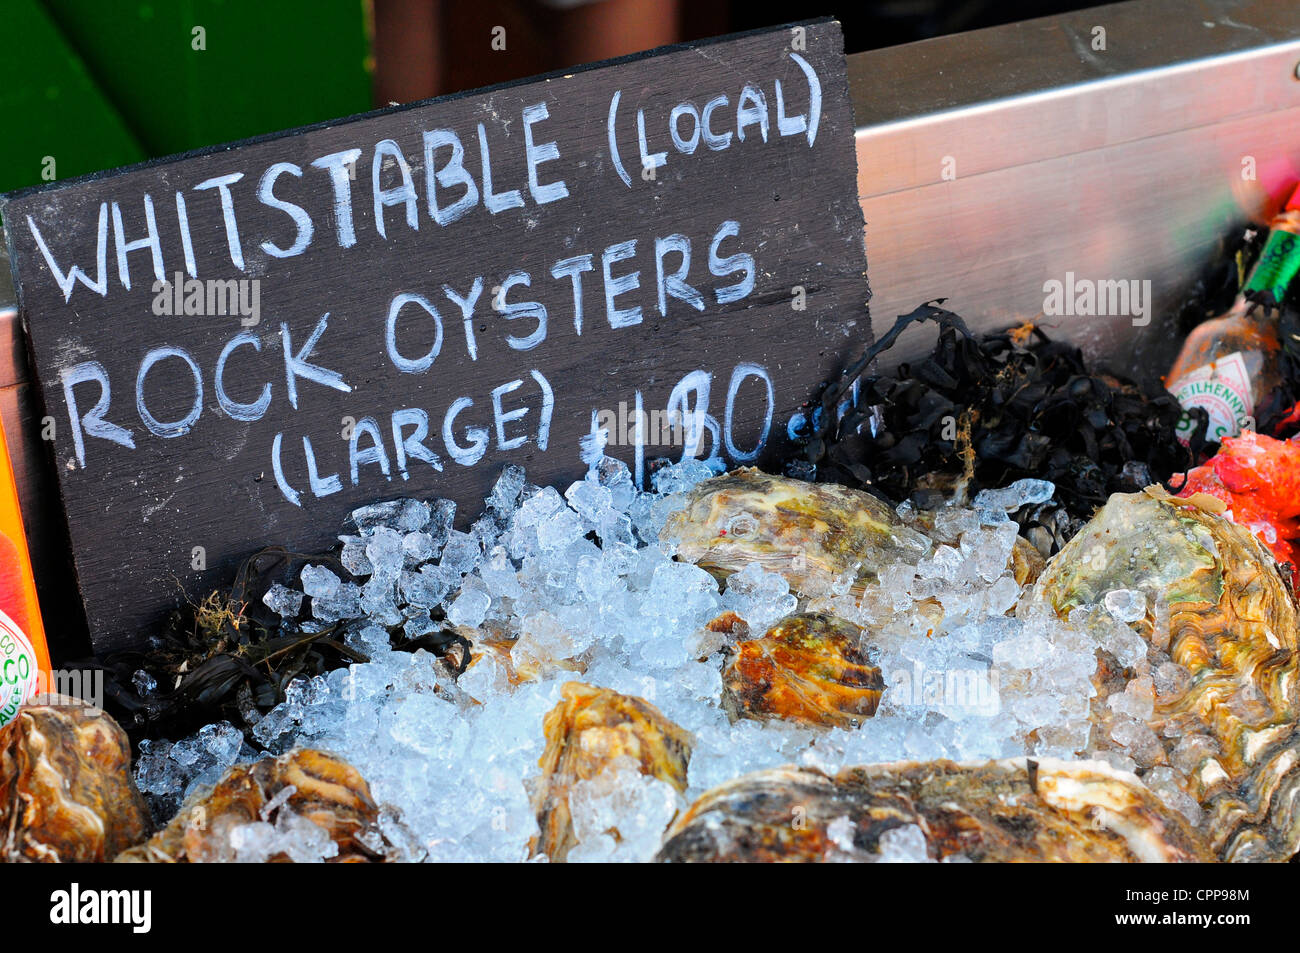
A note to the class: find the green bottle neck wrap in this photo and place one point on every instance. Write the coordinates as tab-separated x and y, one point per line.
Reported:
1277	266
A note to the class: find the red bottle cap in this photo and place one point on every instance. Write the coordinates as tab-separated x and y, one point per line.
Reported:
1293	203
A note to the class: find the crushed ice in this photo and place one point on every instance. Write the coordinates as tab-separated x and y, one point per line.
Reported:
578	586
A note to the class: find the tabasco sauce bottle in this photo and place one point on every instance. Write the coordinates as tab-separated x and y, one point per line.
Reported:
24	659
1229	364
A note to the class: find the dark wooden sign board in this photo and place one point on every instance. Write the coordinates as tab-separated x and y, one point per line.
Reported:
237	347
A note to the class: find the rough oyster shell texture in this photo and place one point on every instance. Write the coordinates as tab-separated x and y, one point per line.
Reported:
810	533
1220	608
809	667
66	792
1014	810
326	790
585	732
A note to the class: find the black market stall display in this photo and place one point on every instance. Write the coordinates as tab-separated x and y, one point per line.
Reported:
516	475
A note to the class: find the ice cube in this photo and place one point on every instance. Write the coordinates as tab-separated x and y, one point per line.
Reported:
614	476
353	555
1126	605
442	514
903	845
469	608
1018	494
384	550
461	554
505	493
428	587
405	516
418	548
319	583
344	604
284	601
1170	679
683	476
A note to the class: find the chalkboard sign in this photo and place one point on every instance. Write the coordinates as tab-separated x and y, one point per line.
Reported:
662	254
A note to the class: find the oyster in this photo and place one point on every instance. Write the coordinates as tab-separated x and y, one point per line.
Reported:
1218	613
66	793
312	785
585	733
1027	563
1014	810
809	667
810	533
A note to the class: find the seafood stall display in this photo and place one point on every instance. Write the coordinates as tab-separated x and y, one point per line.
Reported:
963	662
1159	646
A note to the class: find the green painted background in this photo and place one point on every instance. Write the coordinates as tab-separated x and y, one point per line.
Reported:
97	84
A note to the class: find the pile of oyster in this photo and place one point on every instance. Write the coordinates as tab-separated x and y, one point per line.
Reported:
1181	742
1203	593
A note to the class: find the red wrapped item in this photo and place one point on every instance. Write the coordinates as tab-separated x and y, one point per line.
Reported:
1258	478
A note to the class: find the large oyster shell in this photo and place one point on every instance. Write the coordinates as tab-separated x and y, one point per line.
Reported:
315	785
808	667
1218	607
588	730
1014	810
66	792
810	533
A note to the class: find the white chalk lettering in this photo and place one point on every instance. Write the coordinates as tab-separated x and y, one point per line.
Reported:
469	455
722	267
675	285
521	309
467	305
375	453
319	488
232	408
266	195
494	202
68	281
572	268
296	365
620	317
92	423
738	376
150	242
403	194
450	175
536	154
180	427
222	184
337	165
411	446
504	417
405	364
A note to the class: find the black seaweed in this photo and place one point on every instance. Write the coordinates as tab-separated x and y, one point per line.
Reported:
981	412
231	658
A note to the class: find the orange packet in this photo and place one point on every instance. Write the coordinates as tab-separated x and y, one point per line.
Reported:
24	656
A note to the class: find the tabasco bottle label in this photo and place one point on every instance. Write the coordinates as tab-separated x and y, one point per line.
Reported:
24	657
1222	389
19	669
